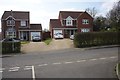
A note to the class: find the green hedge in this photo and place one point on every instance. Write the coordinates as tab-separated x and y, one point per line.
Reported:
95	39
7	47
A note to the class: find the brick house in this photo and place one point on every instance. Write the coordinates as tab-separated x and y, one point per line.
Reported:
16	24
70	22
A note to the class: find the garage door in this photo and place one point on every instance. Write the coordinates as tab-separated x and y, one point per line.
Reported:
35	34
57	31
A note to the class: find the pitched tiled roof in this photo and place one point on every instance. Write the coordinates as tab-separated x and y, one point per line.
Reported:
16	14
36	26
55	23
73	14
33	27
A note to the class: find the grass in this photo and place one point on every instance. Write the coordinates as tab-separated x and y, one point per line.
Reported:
25	42
47	41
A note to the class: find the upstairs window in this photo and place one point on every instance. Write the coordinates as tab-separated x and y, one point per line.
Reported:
23	23
10	23
85	21
69	21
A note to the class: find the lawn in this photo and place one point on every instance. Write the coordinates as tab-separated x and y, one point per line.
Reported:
47	41
25	42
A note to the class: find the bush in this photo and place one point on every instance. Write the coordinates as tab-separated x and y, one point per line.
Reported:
7	47
95	39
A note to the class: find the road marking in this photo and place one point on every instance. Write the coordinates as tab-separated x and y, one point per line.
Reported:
113	57
93	59
1	71
102	58
43	65
68	62
33	72
56	63
81	61
14	69
28	67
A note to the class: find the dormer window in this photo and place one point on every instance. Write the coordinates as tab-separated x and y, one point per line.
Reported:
85	21
23	23
69	21
10	23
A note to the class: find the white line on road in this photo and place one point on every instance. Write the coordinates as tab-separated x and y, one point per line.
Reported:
81	61
14	69
56	63
33	72
11	70
1	71
113	57
43	65
93	59
28	67
68	62
102	58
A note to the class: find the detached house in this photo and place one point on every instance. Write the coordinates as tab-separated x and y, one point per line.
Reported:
70	22
16	24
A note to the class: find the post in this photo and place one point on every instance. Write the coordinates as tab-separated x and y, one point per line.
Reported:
12	32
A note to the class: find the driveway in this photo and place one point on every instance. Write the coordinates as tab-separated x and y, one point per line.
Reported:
41	46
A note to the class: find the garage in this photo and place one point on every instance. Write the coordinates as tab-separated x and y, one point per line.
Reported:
35	34
57	32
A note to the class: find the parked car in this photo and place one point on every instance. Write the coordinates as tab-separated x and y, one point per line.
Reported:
10	40
36	38
58	36
72	37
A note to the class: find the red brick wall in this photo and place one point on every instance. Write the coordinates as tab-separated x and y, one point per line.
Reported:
85	16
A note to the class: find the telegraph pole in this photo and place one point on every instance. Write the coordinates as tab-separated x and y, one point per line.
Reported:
12	31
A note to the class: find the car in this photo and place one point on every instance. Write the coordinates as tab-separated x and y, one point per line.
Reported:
58	36
72	37
36	38
10	40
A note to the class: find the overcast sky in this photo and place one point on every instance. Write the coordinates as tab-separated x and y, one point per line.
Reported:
41	11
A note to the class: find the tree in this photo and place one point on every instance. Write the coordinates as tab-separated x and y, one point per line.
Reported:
113	17
92	11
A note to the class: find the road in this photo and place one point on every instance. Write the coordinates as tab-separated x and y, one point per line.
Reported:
67	63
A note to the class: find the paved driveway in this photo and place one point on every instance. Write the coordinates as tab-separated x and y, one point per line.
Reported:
41	46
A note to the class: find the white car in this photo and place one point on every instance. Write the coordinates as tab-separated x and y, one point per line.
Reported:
58	36
72	37
36	38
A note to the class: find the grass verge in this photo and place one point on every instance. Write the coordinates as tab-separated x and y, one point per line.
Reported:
25	42
47	41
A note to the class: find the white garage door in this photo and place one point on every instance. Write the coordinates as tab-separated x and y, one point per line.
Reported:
35	34
57	31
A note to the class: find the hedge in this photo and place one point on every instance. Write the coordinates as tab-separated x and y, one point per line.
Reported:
7	47
95	39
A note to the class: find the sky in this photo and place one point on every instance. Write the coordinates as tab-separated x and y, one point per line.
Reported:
41	11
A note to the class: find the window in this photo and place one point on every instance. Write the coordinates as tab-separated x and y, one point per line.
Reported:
85	21
23	23
10	23
11	34
68	22
85	30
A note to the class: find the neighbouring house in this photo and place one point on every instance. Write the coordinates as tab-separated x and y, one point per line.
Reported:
16	24
70	22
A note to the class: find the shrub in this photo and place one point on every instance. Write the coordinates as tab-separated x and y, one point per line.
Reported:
95	39
7	47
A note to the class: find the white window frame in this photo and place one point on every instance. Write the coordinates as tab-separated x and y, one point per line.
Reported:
85	21
23	23
69	21
85	30
10	23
